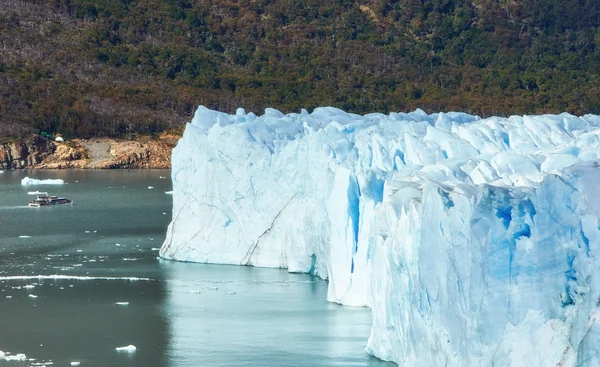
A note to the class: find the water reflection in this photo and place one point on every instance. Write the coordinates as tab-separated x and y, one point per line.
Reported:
242	316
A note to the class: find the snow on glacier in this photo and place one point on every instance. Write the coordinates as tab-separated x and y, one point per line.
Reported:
474	241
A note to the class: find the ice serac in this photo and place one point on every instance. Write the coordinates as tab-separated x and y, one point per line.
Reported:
474	241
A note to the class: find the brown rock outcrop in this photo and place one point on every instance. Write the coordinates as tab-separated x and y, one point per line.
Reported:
100	153
25	153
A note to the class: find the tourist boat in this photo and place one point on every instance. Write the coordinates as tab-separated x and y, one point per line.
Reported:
44	199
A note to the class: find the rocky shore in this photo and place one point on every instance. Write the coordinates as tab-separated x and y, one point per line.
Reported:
99	153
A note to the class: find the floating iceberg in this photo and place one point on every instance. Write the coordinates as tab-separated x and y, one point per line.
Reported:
474	241
130	348
32	181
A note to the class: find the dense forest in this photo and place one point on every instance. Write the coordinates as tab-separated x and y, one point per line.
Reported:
119	67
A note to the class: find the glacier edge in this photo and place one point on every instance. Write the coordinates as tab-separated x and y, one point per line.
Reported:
474	241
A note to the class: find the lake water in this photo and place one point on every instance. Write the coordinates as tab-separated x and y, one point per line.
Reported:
178	314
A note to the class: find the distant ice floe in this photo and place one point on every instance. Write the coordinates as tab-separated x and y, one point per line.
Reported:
32	181
169	192
130	348
24	236
68	277
122	303
75	363
34	192
33	296
150	187
5	356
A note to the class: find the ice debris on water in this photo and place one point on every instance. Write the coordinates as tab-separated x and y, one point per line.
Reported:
6	356
32	181
130	348
75	363
122	303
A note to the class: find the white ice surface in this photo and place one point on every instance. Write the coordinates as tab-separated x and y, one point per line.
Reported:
130	348
5	356
32	181
474	241
67	277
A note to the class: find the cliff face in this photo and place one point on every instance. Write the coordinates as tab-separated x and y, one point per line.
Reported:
26	152
36	152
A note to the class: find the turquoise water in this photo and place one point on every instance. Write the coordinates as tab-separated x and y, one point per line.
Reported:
180	314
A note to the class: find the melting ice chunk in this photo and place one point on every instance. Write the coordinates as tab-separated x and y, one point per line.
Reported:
32	181
130	349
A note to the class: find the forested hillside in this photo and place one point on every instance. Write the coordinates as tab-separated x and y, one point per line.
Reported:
116	67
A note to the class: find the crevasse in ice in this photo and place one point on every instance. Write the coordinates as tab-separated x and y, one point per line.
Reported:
474	241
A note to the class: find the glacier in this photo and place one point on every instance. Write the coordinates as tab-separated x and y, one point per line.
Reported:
473	241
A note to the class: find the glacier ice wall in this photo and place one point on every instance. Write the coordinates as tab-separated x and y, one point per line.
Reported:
474	241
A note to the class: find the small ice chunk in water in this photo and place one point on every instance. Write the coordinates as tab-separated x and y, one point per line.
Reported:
122	303
29	286
150	187
87	231
130	348
32	181
75	363
24	236
79	250
117	244
33	296
8	357
8	296
169	192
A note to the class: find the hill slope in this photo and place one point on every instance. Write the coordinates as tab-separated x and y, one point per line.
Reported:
108	67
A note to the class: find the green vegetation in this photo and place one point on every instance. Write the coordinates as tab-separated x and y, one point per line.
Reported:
114	67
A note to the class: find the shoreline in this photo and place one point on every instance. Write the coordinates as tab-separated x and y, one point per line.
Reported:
36	152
